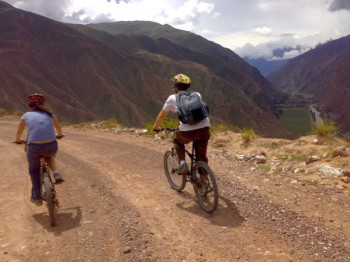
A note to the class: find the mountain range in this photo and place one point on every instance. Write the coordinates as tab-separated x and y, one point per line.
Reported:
265	66
123	70
323	74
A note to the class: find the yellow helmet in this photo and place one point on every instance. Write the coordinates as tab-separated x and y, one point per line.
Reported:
181	79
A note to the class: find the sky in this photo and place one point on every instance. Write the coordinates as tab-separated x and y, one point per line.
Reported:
250	28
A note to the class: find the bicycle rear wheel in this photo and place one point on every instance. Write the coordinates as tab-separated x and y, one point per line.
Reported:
205	189
50	198
171	164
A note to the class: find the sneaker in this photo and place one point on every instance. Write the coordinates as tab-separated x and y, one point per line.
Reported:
58	177
37	202
183	169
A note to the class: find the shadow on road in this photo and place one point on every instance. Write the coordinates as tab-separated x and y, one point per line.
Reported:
66	219
226	215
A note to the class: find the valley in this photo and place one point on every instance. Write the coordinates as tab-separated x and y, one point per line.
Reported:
298	114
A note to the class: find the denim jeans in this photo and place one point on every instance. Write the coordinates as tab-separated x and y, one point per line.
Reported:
34	153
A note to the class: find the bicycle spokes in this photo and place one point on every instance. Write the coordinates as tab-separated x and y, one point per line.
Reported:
205	187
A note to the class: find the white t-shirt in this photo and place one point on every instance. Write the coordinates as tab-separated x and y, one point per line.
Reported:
170	106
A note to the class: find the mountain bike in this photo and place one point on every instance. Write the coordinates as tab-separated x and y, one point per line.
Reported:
200	176
48	192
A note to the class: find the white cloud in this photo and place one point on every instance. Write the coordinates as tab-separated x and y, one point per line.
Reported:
253	26
263	30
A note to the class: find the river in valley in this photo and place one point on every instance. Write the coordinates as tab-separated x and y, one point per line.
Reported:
317	114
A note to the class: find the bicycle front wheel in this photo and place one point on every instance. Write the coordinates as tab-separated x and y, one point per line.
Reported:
171	164
50	198
205	187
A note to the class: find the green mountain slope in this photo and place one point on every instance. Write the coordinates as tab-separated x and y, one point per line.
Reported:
88	74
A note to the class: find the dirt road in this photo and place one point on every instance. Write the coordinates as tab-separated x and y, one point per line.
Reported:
116	205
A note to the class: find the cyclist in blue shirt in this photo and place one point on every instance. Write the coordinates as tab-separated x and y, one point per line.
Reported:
41	141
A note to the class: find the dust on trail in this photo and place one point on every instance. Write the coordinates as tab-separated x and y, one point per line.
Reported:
116	205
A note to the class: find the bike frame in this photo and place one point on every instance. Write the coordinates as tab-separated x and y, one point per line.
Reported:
44	168
192	156
202	186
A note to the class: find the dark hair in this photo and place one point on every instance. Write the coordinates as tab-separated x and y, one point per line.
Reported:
182	86
43	109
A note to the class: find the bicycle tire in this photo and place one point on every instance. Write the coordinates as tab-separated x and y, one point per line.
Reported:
171	164
206	192
50	198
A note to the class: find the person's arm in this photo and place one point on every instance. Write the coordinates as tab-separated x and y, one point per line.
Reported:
57	126
20	129
161	116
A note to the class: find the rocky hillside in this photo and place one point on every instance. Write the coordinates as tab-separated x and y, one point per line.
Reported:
90	74
322	73
319	161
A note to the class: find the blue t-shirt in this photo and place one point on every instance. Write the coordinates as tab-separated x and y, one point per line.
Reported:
40	126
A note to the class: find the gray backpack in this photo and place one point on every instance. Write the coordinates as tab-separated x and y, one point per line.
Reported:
190	107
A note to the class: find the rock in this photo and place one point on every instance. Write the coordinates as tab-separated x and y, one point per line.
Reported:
240	157
260	159
311	159
340	152
127	249
141	131
329	171
262	153
346	173
345	179
297	170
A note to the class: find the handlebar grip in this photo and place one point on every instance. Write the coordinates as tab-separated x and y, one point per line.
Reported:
20	142
170	129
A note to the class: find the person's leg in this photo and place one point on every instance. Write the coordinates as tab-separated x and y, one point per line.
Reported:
33	157
201	144
182	138
51	161
51	150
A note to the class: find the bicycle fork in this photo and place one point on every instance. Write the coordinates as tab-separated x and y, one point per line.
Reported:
46	177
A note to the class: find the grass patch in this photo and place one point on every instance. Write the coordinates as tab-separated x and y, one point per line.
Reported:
110	123
293	157
247	135
265	168
272	145
297	120
314	182
324	129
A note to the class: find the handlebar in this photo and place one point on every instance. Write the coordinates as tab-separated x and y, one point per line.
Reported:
20	142
24	141
172	129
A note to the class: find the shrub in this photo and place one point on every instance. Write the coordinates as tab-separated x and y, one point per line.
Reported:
247	135
324	129
171	122
3	112
110	123
17	112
